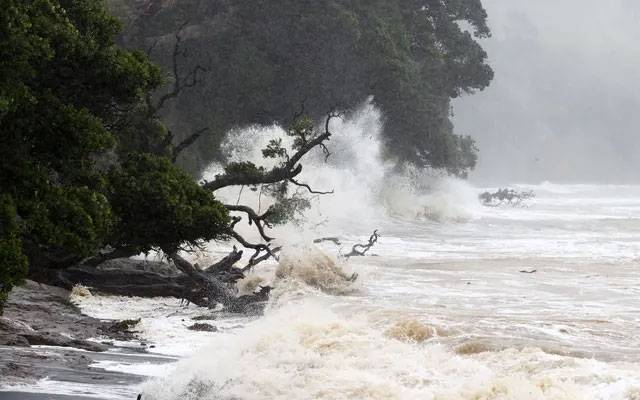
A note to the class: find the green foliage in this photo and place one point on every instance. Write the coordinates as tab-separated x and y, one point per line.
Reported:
274	149
302	130
160	206
263	56
287	209
75	219
13	264
288	206
245	169
68	95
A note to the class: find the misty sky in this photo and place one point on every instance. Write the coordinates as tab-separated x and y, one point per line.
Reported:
565	103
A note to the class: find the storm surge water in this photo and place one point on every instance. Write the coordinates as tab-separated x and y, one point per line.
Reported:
458	301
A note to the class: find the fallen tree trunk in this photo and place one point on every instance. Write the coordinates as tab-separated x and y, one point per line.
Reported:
129	278
213	288
185	281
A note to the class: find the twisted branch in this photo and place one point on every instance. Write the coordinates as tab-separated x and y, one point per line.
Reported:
254	218
191	139
373	239
179	83
287	171
304	185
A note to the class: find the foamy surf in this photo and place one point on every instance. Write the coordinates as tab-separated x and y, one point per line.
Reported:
307	351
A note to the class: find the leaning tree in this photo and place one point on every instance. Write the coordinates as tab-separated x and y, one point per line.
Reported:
148	224
87	170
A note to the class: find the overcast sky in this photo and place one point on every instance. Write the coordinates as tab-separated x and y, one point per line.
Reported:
565	102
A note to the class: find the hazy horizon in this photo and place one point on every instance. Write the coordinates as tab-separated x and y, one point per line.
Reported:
563	105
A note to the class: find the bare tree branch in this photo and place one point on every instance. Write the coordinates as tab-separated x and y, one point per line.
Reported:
290	169
254	218
215	289
227	262
248	245
373	239
300	113
191	139
179	83
257	258
334	240
152	47
304	185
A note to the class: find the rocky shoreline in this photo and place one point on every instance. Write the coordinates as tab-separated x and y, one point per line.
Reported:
42	334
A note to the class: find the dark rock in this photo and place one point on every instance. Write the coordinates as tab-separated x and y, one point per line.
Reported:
250	304
38	314
124	325
121	330
16	333
47	309
204	318
203	328
56	339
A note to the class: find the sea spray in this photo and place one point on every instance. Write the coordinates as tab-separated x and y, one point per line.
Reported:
314	268
442	313
367	188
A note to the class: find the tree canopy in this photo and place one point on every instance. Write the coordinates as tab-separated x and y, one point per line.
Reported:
72	108
259	57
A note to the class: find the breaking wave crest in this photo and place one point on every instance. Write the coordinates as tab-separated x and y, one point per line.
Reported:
313	268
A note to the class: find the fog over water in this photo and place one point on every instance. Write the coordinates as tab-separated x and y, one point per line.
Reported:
564	104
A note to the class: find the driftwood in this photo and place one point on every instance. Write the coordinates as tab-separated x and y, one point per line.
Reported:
129	279
333	240
360	250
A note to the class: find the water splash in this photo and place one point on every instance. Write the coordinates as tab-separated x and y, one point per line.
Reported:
366	186
314	268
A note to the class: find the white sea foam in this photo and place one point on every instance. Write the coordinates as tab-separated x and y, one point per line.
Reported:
306	351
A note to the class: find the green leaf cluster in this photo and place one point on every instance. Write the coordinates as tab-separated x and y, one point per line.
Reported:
160	206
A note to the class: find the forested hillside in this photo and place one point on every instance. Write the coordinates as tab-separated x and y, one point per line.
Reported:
254	61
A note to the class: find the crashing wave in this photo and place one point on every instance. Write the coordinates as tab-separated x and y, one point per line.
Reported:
310	266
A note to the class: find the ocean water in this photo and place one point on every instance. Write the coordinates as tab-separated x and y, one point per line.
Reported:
442	311
441	308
